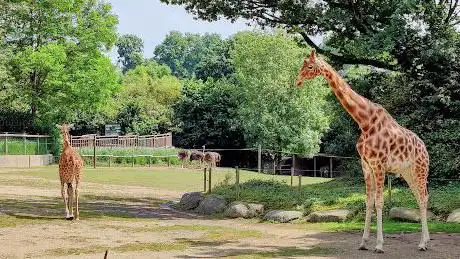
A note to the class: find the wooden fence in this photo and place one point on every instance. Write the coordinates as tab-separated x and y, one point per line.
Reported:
148	141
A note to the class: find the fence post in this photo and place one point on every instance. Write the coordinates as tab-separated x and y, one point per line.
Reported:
150	161
300	182
330	167
94	151
169	162
6	143
46	145
314	166
38	145
110	160
237	183
204	179
25	147
259	159
292	176
209	182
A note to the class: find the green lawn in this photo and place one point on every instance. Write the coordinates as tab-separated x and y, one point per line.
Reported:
171	178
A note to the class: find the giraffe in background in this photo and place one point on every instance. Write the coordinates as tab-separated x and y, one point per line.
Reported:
384	147
70	166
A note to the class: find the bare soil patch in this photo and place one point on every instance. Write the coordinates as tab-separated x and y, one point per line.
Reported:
131	222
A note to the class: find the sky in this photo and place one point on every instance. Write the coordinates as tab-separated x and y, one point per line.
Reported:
151	20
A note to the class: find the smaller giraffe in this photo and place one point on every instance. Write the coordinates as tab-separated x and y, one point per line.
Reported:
70	171
211	159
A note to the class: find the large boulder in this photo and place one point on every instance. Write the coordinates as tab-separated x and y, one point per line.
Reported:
190	200
282	216
212	204
255	210
243	210
329	216
408	214
454	217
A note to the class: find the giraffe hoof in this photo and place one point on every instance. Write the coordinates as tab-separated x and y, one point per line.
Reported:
362	247
422	248
378	251
69	218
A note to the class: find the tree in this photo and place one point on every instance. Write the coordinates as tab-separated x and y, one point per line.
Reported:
207	114
149	91
417	39
193	55
130	48
59	63
274	113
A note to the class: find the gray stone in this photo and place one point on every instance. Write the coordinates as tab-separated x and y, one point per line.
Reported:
282	216
329	216
212	204
408	214
454	217
190	200
239	209
255	210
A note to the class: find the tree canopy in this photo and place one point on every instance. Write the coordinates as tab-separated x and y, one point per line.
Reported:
59	66
130	48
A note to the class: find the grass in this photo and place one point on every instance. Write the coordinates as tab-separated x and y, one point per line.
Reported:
338	193
172	178
131	247
124	156
389	227
19	146
288	252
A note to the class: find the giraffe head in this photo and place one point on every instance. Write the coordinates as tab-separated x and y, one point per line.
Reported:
310	68
65	130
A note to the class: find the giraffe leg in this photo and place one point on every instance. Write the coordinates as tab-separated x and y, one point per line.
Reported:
369	204
379	178
70	199
63	194
77	215
419	188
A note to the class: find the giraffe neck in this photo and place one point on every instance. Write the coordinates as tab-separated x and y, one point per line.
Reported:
66	141
356	105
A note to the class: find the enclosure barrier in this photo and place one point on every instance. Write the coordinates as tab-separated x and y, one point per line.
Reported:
146	141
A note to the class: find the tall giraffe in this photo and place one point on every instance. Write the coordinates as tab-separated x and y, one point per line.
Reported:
384	147
70	166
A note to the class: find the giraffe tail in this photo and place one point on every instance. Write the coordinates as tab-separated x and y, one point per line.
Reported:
105	255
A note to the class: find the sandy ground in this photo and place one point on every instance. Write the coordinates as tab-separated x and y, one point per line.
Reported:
137	224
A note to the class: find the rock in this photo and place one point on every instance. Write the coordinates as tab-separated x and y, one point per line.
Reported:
237	210
212	204
282	216
408	214
243	210
255	210
454	217
329	216
190	200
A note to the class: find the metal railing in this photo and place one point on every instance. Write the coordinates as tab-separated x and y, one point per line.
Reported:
148	141
24	144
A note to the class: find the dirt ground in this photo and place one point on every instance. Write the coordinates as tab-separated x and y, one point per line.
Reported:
134	222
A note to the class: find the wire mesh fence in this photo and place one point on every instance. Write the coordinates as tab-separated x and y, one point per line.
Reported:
23	144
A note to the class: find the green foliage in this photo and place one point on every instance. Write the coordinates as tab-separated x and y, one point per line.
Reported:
130	48
149	91
273	112
193	55
207	114
59	66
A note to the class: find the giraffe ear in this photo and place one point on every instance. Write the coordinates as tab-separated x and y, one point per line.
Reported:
313	55
71	126
58	126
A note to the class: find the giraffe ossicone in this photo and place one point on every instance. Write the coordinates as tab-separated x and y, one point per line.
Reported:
384	147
